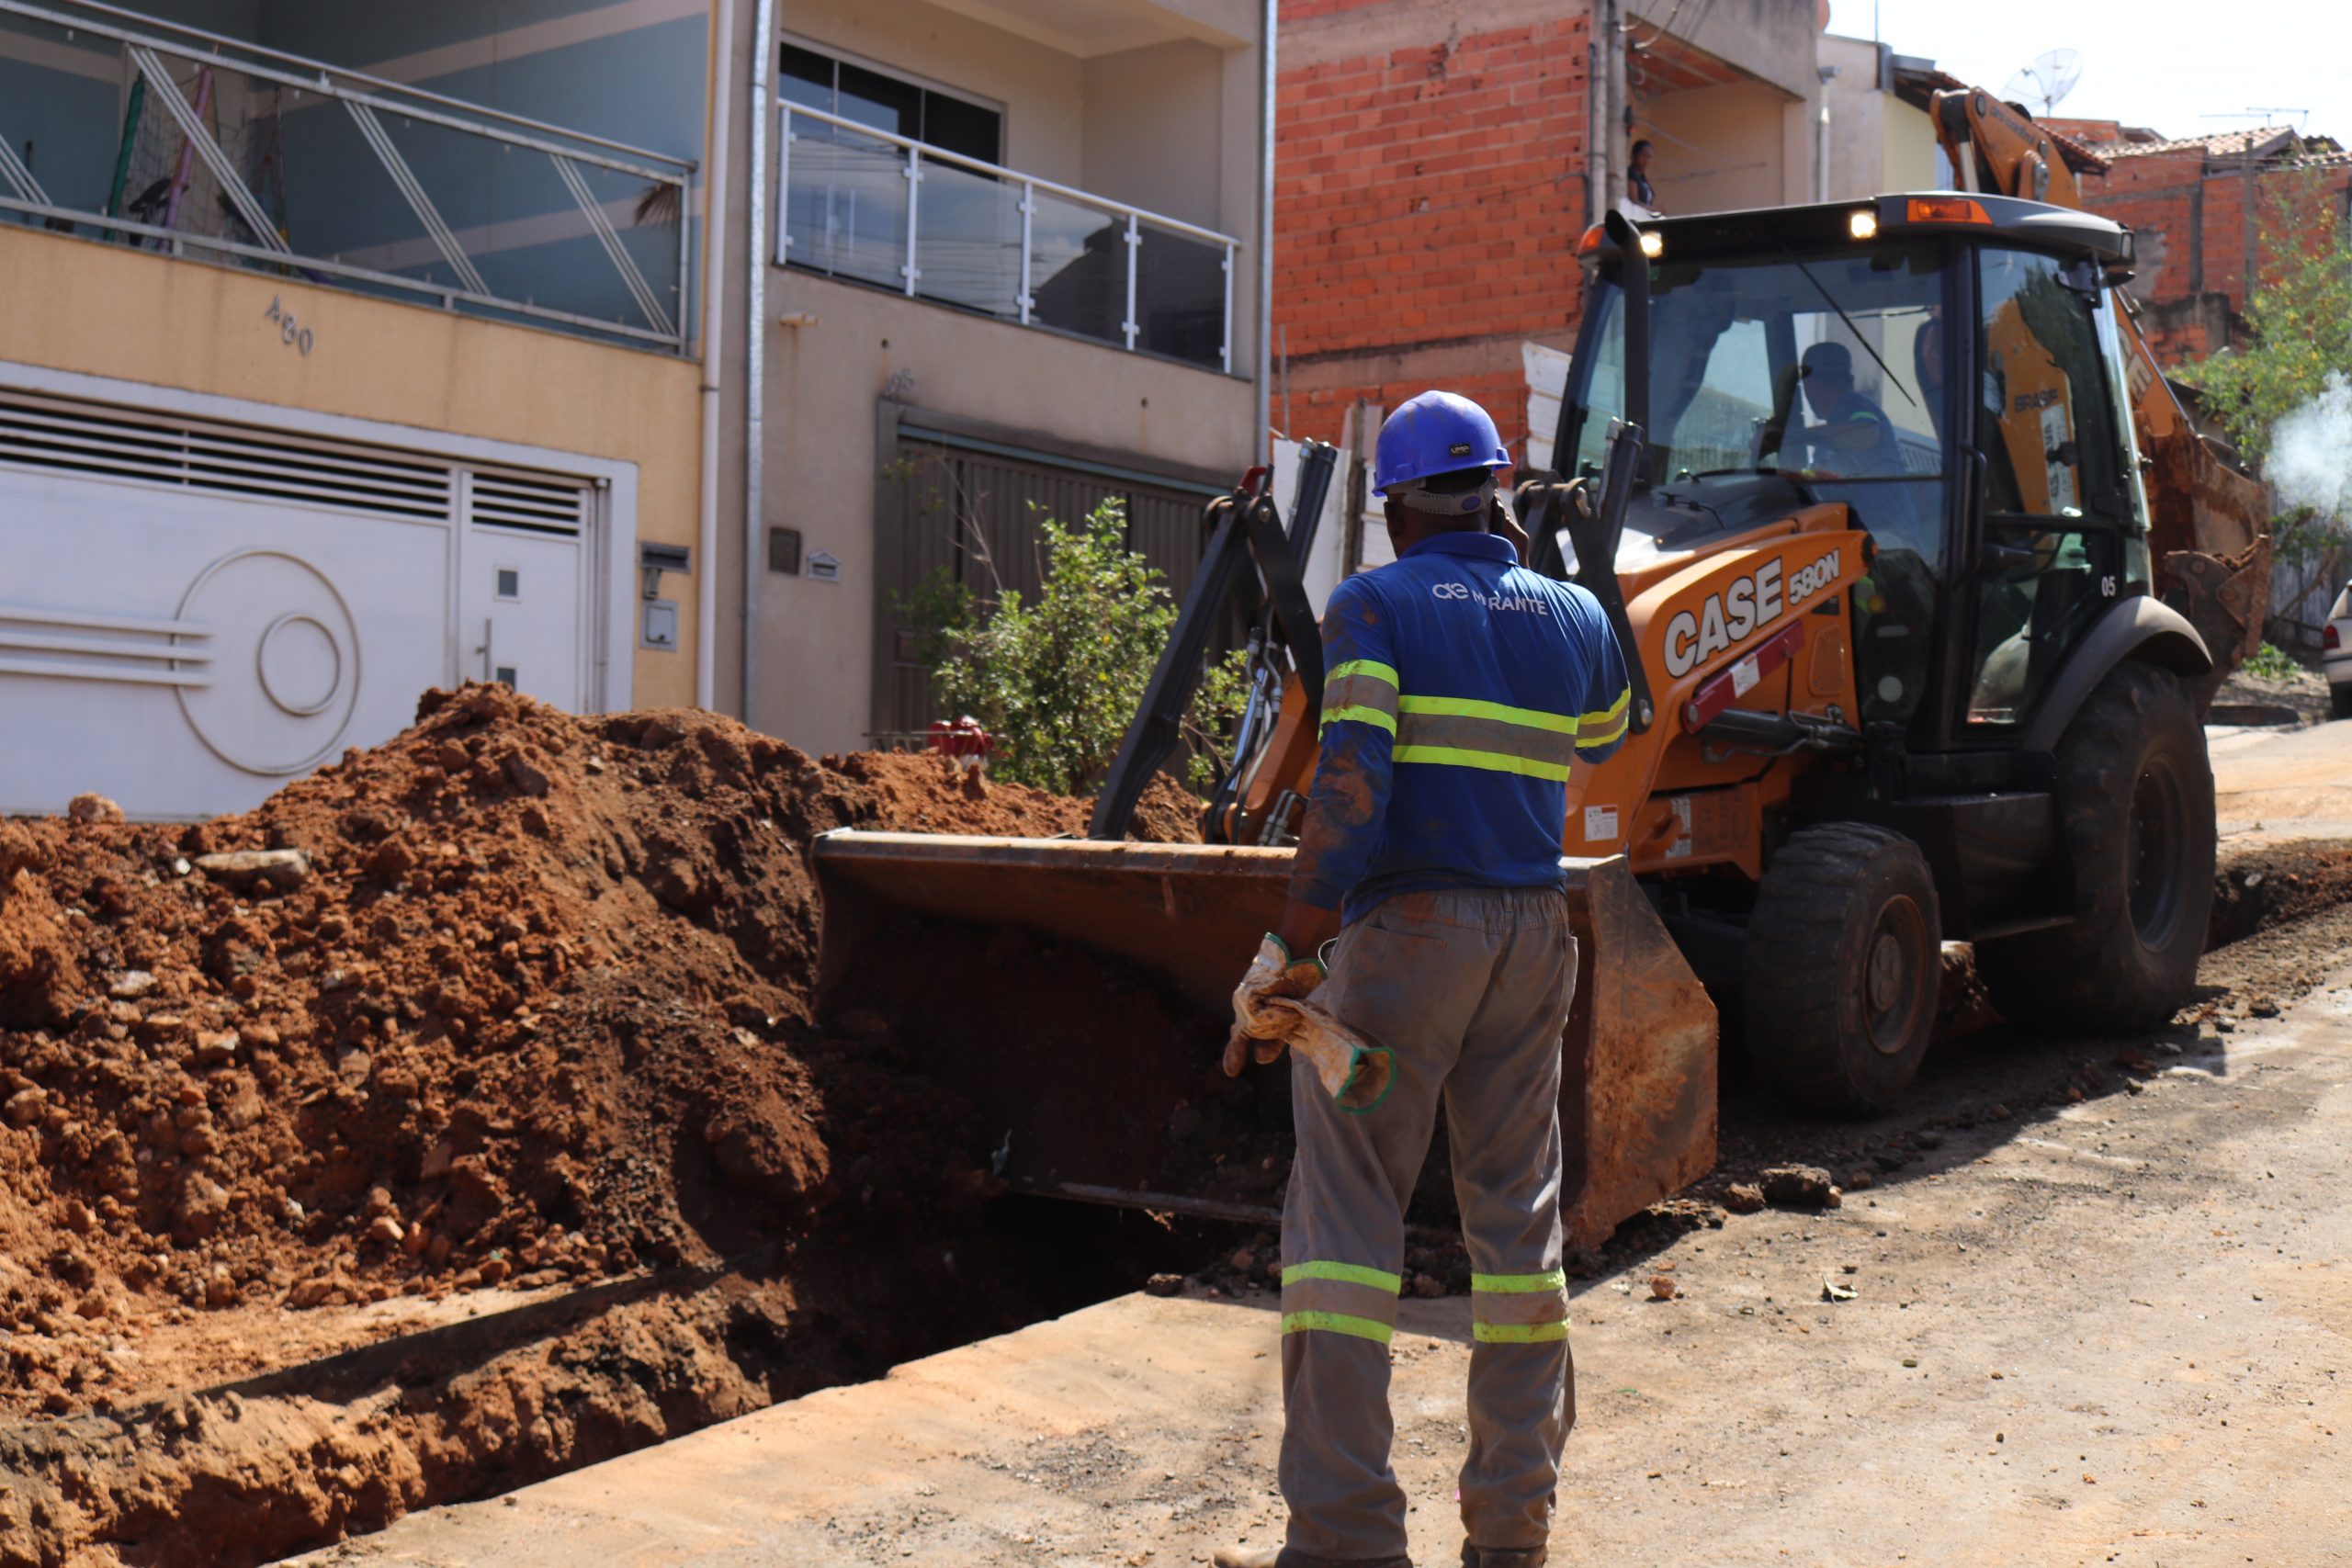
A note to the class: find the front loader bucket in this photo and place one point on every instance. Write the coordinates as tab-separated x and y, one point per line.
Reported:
990	950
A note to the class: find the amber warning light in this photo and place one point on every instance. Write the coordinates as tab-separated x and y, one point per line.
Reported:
1944	209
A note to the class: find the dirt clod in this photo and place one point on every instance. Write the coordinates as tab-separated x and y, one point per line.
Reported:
1798	1187
92	808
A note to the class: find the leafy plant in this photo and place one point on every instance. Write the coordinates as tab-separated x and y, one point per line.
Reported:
2272	663
1058	680
942	611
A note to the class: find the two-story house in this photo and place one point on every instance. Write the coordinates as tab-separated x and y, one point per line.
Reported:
1011	267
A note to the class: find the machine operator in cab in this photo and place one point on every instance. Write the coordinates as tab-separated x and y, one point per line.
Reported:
1851	434
1460	689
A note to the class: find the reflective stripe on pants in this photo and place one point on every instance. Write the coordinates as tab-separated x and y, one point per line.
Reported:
1470	990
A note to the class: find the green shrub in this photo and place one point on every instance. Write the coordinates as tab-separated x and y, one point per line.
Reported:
1056	681
2272	663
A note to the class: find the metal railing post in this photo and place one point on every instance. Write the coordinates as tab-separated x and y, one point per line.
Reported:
1028	224
1226	354
783	188
1135	254
914	188
684	288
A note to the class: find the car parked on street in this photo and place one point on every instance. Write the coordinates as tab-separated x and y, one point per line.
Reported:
2336	653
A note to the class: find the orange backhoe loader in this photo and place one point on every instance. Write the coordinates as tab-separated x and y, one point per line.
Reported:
1861	488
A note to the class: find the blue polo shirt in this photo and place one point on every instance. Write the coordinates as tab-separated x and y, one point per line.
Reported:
1458	688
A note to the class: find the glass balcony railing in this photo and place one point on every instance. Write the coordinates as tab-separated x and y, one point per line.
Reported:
861	204
139	132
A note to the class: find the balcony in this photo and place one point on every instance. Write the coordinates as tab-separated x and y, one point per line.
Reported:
883	209
134	130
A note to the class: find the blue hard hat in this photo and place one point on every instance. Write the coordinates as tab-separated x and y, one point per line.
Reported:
1437	432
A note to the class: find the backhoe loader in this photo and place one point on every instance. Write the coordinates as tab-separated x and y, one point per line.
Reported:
1856	486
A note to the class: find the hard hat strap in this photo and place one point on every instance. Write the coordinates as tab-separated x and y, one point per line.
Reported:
1459	504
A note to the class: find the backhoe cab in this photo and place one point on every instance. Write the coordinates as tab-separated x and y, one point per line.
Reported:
1858	484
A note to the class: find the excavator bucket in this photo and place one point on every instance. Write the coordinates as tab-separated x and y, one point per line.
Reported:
1076	993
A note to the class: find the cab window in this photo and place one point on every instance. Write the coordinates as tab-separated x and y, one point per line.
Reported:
2055	509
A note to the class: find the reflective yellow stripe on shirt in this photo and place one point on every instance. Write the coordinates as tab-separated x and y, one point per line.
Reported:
1607	727
1489	761
1364	689
1615	710
1471	707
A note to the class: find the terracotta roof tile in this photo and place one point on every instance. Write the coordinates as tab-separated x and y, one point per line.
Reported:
2225	144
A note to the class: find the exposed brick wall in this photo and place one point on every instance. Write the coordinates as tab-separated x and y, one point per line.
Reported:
2191	219
1427	196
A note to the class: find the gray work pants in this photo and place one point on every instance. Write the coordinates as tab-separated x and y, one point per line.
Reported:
1470	989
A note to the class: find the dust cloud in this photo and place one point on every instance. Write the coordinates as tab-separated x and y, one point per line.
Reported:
2310	452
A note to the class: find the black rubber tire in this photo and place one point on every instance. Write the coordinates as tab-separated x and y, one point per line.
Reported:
1845	955
2135	821
2339	699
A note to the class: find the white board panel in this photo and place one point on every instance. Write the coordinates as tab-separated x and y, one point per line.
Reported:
294	631
1547	384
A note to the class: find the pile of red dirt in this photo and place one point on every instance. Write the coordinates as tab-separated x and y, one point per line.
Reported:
923	792
520	998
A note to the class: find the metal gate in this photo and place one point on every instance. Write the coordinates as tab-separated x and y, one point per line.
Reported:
193	611
975	513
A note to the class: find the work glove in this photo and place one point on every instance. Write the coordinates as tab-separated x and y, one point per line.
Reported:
1271	1012
1273	972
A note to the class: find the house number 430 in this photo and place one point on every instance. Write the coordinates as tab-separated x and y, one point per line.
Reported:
292	332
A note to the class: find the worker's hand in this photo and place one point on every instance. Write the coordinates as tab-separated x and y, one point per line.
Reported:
1272	974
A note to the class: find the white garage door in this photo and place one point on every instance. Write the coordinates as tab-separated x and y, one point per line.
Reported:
191	613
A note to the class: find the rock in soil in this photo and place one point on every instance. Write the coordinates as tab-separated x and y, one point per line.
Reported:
1798	1187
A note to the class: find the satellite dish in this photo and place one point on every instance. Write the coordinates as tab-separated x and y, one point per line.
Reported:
2044	82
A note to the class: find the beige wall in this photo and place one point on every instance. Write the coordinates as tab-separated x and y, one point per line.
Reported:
1772	40
1152	127
1720	149
69	304
1043	90
1877	143
1914	161
824	383
1144	125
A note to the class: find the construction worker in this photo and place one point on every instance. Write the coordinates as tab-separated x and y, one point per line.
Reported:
1459	689
1852	438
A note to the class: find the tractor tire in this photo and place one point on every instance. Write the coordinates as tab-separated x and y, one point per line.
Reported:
1844	958
2135	824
